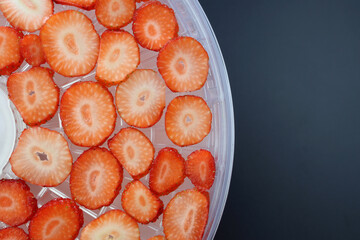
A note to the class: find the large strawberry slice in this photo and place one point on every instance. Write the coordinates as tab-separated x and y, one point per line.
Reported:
95	178
119	56
17	203
157	238
34	94
114	224
10	57
87	113
13	234
41	157
187	120
31	50
134	151
59	219
140	100
167	172
183	64
186	215
70	43
84	4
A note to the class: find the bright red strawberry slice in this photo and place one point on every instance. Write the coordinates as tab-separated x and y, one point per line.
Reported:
118	57
140	203
70	43
34	94
41	157
167	172
114	224
10	57
59	219
17	203
154	25
95	178
157	238
87	113
134	151
183	64
31	50
187	120
84	4
13	234
186	215
140	100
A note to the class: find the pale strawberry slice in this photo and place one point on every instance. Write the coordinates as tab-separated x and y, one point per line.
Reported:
140	203
41	157
70	43
10	56
17	203
187	120
134	151
27	15
95	178
154	25
84	4
167	172
157	238
140	100
31	50
88	114
34	94
114	224
118	57
184	64
13	234
186	215
59	219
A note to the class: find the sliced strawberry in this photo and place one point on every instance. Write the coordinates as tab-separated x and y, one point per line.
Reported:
13	234
10	57
157	238
140	100
31	50
95	178
154	25
114	224
17	203
184	64
167	172
59	219
118	57
134	151
186	215
70	43
87	113
187	120
34	94
41	157
200	169
84	4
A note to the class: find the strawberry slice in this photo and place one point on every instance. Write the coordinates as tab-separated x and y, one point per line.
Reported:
119	56
140	203
87	113
140	100
84	4
31	50
134	151
167	172
95	178
186	215
13	234
59	219
157	238
184	64
154	25
34	94
41	157
187	120
17	203
27	15
114	224
10	57
70	43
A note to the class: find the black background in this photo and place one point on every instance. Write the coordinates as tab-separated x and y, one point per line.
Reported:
295	69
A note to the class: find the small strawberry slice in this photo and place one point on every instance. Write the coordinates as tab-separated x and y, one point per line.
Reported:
187	120
154	25
70	43
167	172
140	203
157	238
114	224
140	100
84	4
17	203
10	57
59	219
13	234
87	113
186	215
118	57
31	50
184	64
134	151
41	157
